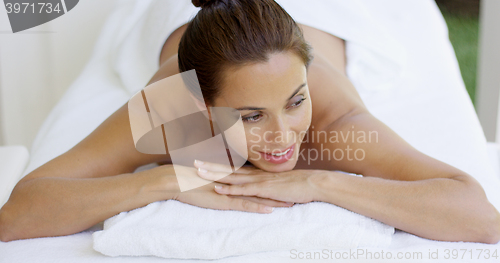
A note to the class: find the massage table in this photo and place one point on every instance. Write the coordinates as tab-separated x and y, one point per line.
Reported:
406	73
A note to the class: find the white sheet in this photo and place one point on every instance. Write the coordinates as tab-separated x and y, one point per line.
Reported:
77	248
428	107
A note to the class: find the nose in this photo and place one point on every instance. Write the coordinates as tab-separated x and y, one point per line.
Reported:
279	133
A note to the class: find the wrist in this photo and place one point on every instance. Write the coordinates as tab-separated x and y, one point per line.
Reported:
163	186
322	185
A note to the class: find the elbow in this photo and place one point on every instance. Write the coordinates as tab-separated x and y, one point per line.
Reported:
485	220
4	227
4	237
492	229
487	224
7	225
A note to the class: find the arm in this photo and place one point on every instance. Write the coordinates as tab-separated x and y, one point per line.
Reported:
446	209
407	189
87	184
401	186
55	206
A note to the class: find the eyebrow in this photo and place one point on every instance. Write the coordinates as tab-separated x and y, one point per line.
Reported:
257	108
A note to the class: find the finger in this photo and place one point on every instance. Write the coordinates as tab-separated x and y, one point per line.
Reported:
214	167
225	178
266	201
250	189
248	206
246	170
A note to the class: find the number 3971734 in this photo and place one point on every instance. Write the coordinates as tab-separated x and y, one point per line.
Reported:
32	8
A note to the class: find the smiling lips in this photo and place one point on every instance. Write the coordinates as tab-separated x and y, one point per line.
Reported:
279	157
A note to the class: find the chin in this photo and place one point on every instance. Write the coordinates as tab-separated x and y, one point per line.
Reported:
274	168
278	164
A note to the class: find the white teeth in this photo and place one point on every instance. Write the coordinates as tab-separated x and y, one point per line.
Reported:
280	154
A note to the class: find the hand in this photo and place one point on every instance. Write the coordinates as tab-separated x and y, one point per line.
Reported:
296	186
206	196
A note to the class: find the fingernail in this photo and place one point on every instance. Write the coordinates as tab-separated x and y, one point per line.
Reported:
268	209
202	171
198	162
218	187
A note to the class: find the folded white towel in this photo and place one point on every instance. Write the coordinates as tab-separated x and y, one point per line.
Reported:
172	229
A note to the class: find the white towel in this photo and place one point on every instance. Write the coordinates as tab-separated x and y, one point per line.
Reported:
172	229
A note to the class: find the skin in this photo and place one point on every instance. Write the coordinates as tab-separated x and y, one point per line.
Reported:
446	203
282	93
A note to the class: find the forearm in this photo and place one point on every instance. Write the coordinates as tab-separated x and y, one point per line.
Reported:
61	206
439	208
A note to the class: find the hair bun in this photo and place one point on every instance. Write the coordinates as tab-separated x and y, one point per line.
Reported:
203	3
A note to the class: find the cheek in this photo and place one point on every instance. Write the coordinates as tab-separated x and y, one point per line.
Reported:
254	135
254	138
301	121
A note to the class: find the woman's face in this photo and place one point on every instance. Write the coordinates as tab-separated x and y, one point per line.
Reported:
273	100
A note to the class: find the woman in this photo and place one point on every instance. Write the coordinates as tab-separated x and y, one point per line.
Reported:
251	56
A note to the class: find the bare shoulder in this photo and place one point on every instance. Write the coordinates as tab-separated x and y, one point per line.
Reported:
332	94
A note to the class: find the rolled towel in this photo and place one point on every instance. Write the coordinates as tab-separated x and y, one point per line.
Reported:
172	229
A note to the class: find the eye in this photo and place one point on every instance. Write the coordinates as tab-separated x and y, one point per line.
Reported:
296	102
252	118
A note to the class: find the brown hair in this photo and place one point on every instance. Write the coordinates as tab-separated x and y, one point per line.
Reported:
228	33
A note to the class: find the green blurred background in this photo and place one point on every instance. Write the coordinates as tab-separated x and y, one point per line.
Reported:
462	18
